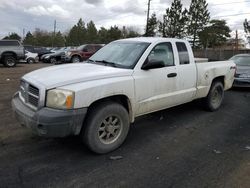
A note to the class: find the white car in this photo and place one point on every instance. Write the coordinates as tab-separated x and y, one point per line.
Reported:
30	57
123	80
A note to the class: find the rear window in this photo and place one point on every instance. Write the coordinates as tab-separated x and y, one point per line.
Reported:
9	43
183	53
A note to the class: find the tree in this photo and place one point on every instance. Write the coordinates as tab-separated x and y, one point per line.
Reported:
13	36
92	33
103	35
247	29
174	21
77	34
29	39
214	35
246	26
198	17
114	33
59	40
151	26
129	32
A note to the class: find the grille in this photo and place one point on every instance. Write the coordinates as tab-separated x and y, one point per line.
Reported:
29	94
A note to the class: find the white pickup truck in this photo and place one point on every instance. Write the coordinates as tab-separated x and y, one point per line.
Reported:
125	79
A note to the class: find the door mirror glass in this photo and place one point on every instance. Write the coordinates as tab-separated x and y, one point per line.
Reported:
152	64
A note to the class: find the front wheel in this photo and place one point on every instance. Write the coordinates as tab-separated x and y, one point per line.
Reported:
10	61
106	127
215	96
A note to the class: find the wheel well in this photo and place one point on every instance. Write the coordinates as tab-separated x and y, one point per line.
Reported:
121	99
9	54
219	79
76	55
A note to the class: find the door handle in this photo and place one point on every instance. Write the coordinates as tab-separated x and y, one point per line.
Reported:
171	75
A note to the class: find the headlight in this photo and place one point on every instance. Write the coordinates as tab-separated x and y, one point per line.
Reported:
46	57
68	53
61	99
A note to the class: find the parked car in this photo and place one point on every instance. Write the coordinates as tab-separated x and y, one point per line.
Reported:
123	80
30	58
39	50
82	53
56	56
242	75
11	51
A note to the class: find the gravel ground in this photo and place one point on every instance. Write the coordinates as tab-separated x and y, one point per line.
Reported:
183	146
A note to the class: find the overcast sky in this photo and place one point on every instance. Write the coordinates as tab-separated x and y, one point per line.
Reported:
16	15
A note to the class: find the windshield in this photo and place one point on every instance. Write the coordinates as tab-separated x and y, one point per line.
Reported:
241	60
80	47
123	54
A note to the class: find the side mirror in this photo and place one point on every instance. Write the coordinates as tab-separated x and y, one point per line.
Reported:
152	64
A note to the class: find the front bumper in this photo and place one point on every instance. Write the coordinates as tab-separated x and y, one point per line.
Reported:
49	122
241	82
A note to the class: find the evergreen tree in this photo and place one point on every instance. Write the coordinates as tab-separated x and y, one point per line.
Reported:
214	35
29	39
151	26
77	34
114	33
92	33
13	36
174	21
247	29
59	40
198	17
103	35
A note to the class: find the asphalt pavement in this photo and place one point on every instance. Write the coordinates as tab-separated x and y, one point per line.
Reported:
184	146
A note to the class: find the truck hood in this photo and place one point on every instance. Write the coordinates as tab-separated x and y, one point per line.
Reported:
61	75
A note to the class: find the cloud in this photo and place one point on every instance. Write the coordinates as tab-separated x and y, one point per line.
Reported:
54	10
94	2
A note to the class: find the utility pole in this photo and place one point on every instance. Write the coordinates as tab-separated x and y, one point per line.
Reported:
23	34
147	17
54	35
237	41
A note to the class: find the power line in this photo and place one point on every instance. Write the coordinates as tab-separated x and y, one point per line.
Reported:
230	15
228	3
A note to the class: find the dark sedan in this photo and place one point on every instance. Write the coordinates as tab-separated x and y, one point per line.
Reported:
242	75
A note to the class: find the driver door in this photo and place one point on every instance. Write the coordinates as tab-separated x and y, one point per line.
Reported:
155	88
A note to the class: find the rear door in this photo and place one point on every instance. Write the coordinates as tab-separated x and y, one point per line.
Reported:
187	75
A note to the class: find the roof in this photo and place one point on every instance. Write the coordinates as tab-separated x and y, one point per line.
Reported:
242	55
150	39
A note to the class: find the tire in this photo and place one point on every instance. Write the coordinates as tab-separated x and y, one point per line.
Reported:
53	60
75	59
106	127
31	60
9	61
215	96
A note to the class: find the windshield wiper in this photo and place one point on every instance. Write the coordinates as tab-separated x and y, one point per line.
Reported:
107	63
91	60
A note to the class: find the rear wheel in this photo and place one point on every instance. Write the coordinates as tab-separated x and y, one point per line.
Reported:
106	127
30	60
53	60
75	59
9	61
215	96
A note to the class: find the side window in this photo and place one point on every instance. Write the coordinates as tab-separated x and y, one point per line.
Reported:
9	43
183	53
162	52
88	48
